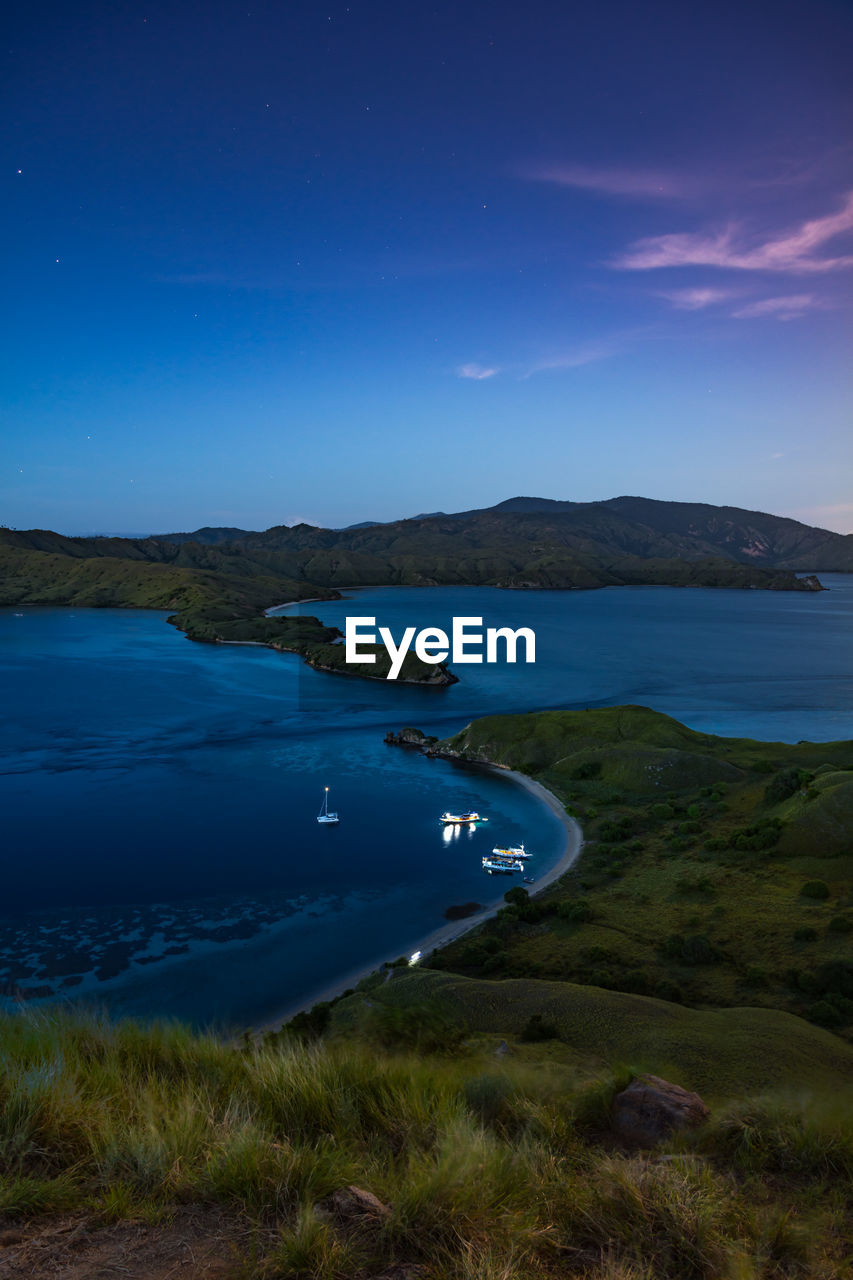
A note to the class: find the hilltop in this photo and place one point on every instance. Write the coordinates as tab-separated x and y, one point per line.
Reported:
582	532
715	871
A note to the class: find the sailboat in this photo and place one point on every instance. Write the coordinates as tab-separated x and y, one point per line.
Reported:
324	815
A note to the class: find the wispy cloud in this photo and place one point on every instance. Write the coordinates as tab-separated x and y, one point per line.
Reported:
696	299
792	251
789	308
575	357
645	183
478	372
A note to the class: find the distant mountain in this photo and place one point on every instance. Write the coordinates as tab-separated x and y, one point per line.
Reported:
208	536
645	528
216	580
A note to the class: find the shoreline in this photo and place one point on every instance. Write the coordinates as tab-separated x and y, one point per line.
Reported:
453	930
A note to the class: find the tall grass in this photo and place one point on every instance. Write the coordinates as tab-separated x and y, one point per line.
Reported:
491	1171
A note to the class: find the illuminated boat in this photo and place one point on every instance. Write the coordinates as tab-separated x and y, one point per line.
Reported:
501	866
514	851
459	818
324	815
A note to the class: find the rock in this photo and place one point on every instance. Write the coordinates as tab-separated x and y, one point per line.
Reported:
353	1206
650	1109
408	737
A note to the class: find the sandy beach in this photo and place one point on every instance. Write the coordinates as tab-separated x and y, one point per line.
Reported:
455	929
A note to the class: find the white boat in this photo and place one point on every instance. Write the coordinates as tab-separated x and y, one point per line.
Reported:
513	851
501	866
324	815
459	818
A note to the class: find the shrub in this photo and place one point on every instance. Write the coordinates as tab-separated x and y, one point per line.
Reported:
576	912
615	829
824	1014
805	934
589	769
694	949
760	835
816	889
785	784
536	1029
662	811
841	924
671	991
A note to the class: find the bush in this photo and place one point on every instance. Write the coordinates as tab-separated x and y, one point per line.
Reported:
576	912
589	769
662	812
615	830
536	1029
694	949
824	1014
816	889
841	924
760	835
785	784
805	934
670	991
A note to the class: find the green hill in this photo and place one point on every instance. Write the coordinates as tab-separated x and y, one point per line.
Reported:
719	1052
715	872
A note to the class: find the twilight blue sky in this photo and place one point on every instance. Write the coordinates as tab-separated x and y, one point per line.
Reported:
279	261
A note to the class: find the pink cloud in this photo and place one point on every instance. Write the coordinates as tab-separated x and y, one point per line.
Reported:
793	251
696	299
789	308
478	372
615	182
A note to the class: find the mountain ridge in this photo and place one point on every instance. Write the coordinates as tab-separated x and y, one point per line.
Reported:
625	525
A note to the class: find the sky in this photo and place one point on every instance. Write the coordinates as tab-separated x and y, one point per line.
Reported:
272	262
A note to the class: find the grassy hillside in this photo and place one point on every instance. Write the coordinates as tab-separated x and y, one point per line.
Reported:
152	1151
716	871
721	1053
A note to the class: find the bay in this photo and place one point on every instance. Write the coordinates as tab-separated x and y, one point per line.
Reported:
160	852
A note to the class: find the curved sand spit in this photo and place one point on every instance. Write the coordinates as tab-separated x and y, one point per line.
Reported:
573	843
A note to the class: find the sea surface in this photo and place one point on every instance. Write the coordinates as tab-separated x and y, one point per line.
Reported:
160	853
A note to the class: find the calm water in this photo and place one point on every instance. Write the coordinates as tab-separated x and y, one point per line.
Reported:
160	852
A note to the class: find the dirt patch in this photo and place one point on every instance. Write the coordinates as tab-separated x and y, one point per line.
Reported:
195	1243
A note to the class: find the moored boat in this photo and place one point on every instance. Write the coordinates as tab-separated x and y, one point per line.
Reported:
501	866
513	851
324	816
459	818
